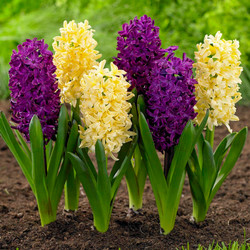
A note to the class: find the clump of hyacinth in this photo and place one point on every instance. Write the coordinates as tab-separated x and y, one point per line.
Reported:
218	74
34	89
75	55
139	47
104	107
170	99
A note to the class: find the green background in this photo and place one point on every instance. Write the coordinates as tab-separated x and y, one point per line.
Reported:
182	22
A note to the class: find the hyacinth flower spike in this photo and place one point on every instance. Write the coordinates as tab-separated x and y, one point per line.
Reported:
75	56
107	132
217	72
139	48
35	109
165	123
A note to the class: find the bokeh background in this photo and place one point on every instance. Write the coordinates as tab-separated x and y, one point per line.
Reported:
182	22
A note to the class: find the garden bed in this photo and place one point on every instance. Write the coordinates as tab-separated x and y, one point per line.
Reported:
228	216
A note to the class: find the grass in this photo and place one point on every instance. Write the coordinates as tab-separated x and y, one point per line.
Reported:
222	246
235	245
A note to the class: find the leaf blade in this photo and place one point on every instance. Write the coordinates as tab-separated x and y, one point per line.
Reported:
57	152
233	155
38	165
103	182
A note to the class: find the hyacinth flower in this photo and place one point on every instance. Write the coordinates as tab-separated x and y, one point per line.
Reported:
217	72
139	47
35	105
75	56
107	132
165	124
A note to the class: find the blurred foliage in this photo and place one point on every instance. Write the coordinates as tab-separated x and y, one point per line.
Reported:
182	22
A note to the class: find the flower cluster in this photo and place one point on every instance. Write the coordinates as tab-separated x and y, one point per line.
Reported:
74	57
139	45
170	99
34	89
104	106
217	72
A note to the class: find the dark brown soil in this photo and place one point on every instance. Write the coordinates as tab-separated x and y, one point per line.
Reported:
228	216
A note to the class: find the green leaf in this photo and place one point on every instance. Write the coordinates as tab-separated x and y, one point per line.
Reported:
23	143
38	164
133	99
176	176
83	154
183	150
58	150
233	155
199	201
182	153
141	106
56	193
135	178
136	175
159	193
89	184
76	113
131	180
37	152
153	158
208	169
48	149
140	169
71	191
153	164
209	136
22	158
134	115
222	149
200	143
120	166
194	165
103	183
121	156
196	189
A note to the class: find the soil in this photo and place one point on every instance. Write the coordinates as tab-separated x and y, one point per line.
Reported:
227	219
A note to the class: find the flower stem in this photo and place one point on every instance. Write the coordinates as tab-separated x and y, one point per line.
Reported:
210	136
168	157
72	184
45	160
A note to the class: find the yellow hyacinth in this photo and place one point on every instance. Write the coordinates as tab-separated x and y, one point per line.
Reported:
74	57
104	107
218	74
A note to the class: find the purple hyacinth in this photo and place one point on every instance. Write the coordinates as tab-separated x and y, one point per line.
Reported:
139	45
170	99
34	89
